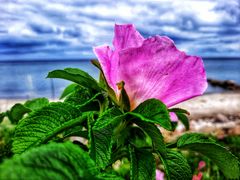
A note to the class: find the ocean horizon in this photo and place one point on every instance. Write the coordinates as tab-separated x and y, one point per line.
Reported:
25	79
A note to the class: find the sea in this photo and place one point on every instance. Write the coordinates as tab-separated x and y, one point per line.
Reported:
27	79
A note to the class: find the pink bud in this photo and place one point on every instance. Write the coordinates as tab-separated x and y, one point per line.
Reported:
201	165
159	175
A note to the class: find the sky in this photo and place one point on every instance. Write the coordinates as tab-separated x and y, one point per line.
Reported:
68	29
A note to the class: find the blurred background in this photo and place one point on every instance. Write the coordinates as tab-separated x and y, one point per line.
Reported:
40	36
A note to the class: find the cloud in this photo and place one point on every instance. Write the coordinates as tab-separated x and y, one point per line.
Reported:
69	29
40	28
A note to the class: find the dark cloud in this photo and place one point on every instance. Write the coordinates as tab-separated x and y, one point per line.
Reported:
41	29
70	28
28	43
20	43
74	33
229	31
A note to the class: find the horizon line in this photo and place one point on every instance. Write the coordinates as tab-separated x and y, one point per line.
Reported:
88	59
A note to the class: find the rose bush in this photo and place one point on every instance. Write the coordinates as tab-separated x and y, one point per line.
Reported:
91	134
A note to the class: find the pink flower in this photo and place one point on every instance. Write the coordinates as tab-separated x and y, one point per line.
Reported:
201	165
150	68
198	176
159	175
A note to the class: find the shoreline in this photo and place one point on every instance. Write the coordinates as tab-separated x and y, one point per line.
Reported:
217	114
214	113
202	106
212	104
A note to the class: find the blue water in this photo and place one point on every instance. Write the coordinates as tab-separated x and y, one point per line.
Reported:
27	79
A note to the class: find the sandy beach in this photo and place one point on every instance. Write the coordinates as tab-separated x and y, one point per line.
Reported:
6	104
217	113
212	104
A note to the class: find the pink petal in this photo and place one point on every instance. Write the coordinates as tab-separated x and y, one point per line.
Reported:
173	117
126	36
159	175
201	165
158	70
108	63
198	176
151	68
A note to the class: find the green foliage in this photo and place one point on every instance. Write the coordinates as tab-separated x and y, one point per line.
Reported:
232	141
179	110
36	104
6	135
182	116
75	75
176	166
154	133
101	140
225	160
143	166
84	99
184	119
42	125
52	161
17	112
101	146
110	116
2	115
68	90
108	176
110	140
153	111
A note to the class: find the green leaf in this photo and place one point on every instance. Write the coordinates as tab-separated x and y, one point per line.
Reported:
36	104
181	115
223	158
101	146
76	131
154	111
44	124
75	75
108	176
179	110
143	165
101	142
6	135
184	119
79	96
51	161
155	135
17	112
96	64
2	115
68	90
102	79
92	104
137	137
176	166
232	141
110	116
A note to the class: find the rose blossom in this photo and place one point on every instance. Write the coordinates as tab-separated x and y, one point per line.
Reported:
151	68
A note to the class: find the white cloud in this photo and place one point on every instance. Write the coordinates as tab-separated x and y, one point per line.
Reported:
204	24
